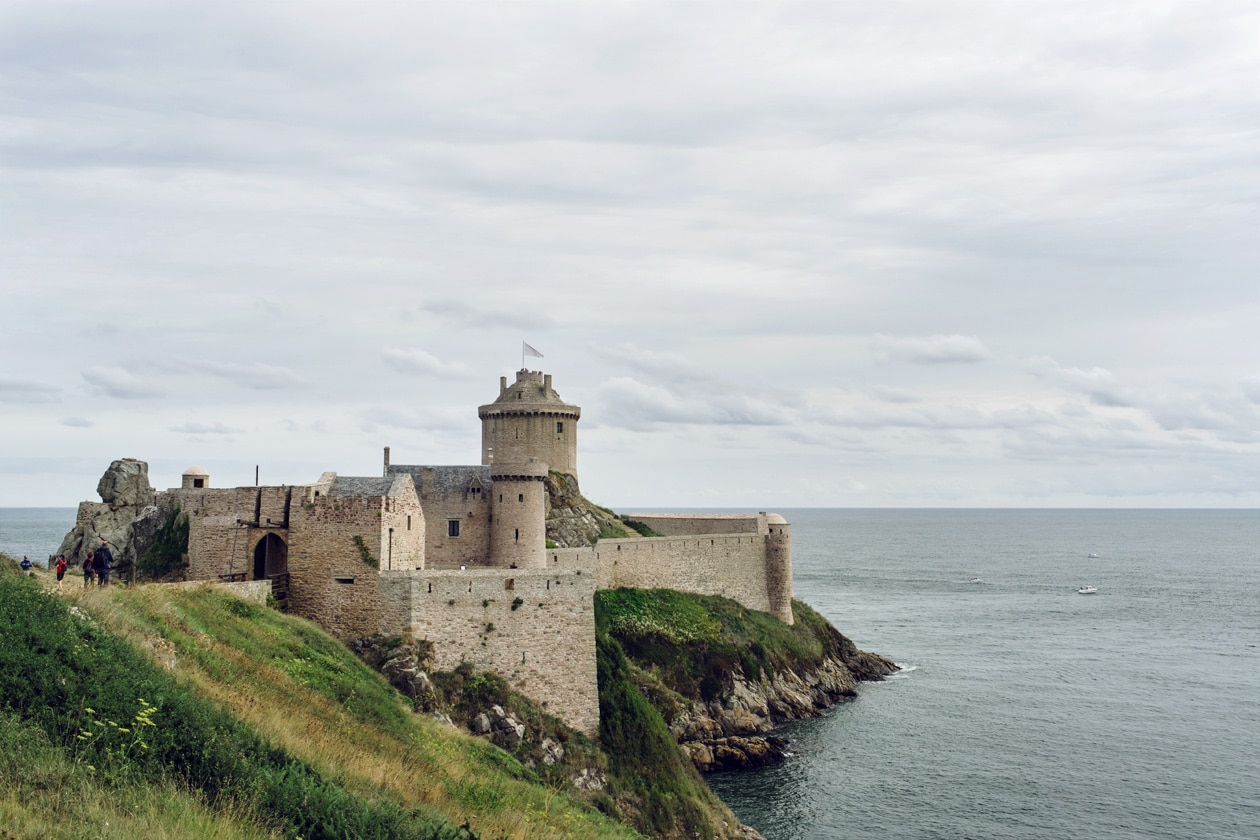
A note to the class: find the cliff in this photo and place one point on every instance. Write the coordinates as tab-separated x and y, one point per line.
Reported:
720	673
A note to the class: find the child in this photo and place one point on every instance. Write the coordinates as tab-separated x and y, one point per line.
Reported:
61	569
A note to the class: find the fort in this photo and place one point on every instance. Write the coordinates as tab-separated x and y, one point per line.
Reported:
460	556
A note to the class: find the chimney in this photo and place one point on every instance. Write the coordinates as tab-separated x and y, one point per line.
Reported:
386	473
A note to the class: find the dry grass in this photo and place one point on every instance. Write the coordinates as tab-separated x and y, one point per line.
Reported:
308	695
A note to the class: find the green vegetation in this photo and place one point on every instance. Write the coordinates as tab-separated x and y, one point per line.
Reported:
167	558
652	785
692	645
259	725
642	527
611	530
364	554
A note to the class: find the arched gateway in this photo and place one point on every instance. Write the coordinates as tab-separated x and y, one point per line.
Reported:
271	562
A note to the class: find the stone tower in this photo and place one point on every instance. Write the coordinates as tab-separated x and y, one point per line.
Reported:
779	567
518	533
529	421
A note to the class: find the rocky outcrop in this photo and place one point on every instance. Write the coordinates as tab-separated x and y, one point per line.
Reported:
126	517
721	734
572	519
735	753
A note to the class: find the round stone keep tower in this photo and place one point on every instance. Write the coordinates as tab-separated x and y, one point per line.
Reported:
518	505
529	420
779	567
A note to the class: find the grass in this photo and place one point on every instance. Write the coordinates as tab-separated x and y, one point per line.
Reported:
694	644
263	719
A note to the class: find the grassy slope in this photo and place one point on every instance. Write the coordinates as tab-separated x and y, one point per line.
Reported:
260	708
690	645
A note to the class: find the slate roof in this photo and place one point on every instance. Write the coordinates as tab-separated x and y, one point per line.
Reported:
361	487
446	479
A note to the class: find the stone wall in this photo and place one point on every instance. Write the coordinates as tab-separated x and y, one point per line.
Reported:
332	582
691	524
535	628
472	546
250	590
754	570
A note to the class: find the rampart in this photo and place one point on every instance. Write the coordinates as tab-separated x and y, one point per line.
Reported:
753	568
535	628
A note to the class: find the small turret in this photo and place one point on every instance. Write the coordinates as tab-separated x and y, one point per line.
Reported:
518	502
779	567
195	478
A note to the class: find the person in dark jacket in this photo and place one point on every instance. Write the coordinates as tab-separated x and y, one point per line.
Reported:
103	560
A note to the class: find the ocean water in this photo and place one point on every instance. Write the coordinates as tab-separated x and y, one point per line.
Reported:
1026	710
34	532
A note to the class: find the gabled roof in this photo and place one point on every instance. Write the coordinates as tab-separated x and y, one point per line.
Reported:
445	479
364	487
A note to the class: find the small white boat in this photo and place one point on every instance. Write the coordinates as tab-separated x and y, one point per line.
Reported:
1087	590
1093	556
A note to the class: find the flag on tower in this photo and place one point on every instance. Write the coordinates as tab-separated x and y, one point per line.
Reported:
526	350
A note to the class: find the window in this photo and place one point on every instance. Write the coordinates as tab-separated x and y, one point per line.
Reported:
452	527
518	535
345	580
520	497
408	522
199	482
559	427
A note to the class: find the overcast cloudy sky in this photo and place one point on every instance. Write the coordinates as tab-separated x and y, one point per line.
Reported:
782	254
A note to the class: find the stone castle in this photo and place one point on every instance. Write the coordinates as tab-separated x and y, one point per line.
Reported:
460	555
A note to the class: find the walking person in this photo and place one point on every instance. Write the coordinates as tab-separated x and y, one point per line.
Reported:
89	570
61	567
103	559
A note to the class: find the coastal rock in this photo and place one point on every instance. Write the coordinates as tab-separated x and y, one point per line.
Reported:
735	753
718	735
126	517
126	484
571	519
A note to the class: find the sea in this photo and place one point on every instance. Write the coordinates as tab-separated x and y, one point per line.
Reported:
1022	709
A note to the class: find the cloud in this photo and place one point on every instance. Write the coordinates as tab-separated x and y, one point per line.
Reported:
26	391
412	360
932	349
1096	383
120	384
195	428
77	422
256	376
488	316
625	401
1251	388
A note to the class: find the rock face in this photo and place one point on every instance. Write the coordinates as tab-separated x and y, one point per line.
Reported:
716	735
572	519
126	516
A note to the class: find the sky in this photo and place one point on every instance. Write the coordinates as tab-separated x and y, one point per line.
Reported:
829	254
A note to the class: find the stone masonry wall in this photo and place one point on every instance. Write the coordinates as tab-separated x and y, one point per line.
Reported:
690	524
534	628
472	546
732	565
331	582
